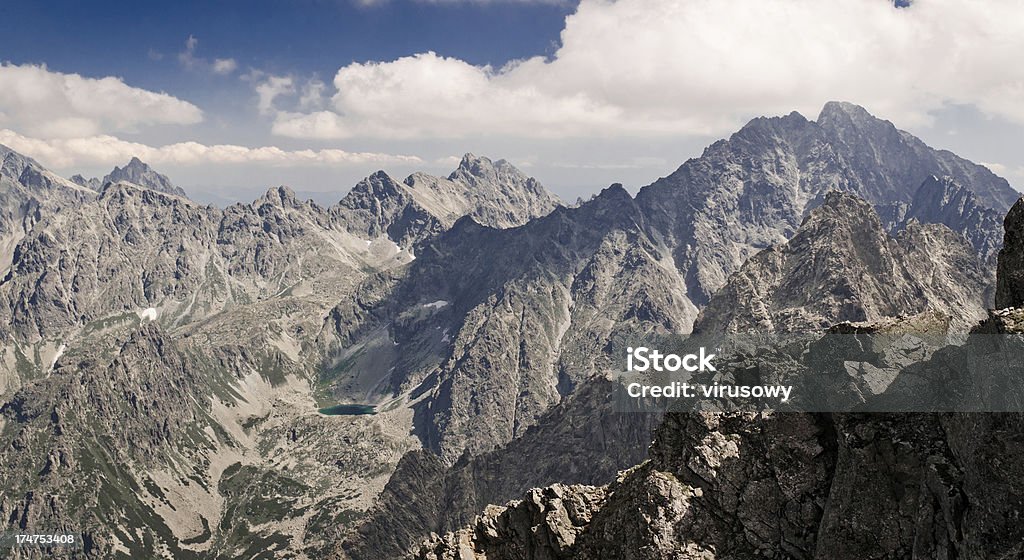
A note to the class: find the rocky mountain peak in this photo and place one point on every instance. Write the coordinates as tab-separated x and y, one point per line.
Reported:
835	113
890	164
478	166
494	193
843	208
138	172
281	195
480	172
13	164
615	193
379	184
794	121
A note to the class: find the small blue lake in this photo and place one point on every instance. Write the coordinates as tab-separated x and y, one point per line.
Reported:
348	410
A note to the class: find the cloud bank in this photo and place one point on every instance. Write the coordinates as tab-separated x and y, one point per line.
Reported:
109	150
48	104
647	68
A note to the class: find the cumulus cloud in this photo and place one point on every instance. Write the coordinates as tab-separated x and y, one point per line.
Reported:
38	101
219	66
372	3
270	88
110	150
677	67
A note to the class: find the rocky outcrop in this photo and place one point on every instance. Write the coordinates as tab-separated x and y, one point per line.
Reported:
1010	286
799	485
842	265
544	525
941	200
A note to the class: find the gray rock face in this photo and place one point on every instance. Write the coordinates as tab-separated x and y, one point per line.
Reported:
544	525
526	313
27	193
494	194
139	173
843	266
890	164
501	196
380	206
752	191
146	399
1010	287
941	200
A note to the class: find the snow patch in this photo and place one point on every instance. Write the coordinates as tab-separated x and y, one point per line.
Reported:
147	314
436	304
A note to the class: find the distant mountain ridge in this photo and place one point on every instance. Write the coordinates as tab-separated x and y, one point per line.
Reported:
136	172
494	193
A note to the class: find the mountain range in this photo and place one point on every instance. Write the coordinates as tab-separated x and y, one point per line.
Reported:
283	379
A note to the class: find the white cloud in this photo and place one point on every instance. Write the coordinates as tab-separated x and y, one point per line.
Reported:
645	68
187	57
49	104
372	3
219	66
312	94
223	66
271	88
109	150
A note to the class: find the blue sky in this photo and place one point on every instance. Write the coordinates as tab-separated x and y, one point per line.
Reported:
302	36
230	98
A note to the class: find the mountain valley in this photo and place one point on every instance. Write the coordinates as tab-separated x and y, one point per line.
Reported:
168	369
